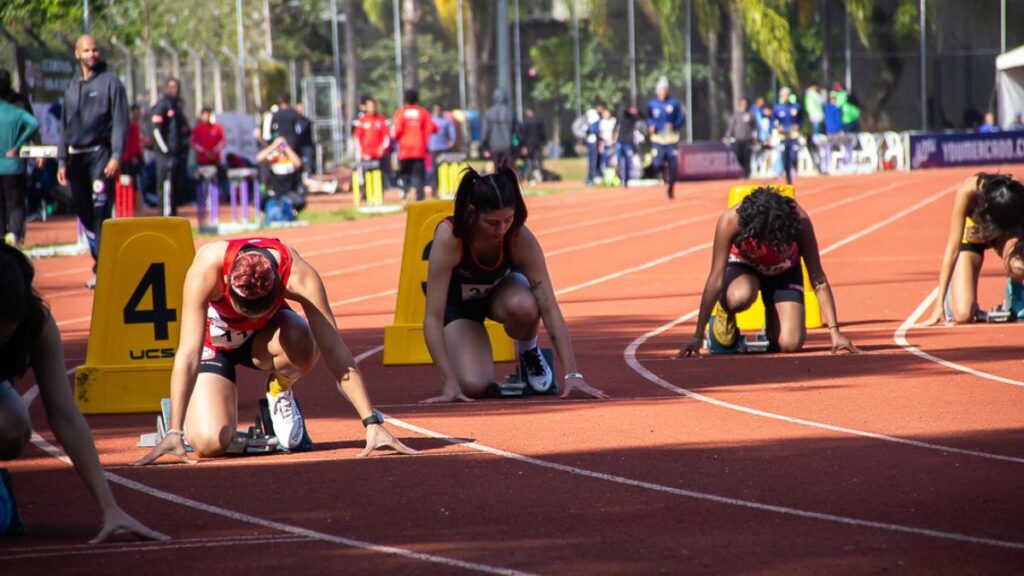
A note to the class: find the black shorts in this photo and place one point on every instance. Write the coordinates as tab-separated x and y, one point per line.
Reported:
976	248
785	287
223	362
476	310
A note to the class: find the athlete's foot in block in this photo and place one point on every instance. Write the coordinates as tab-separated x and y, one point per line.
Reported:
536	370
724	329
287	420
91	283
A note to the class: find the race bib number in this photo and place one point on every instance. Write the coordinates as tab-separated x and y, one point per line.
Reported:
221	335
476	291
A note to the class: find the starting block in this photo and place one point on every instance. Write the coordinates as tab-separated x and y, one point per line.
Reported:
515	384
257	439
757	343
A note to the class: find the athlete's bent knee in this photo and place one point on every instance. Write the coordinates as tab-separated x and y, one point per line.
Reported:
299	345
790	344
209	444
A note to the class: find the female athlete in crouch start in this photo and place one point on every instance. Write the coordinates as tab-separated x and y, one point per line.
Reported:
988	212
485	263
234	312
758	246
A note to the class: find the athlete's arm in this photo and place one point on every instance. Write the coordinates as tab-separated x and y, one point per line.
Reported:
307	288
961	204
444	256
73	434
727	229
200	284
526	252
808	243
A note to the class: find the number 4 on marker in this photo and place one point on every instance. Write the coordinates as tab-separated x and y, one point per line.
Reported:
160	315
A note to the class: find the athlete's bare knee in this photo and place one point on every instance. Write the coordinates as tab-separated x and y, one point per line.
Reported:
300	347
788	344
15	432
210	444
521	308
963	314
475	386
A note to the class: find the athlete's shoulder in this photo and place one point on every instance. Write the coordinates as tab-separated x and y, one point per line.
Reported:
212	252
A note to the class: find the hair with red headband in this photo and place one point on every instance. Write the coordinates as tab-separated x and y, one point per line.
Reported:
253	284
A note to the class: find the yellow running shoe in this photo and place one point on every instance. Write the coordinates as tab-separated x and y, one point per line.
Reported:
723	329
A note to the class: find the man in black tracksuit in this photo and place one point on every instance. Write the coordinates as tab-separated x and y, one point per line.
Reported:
93	129
171	137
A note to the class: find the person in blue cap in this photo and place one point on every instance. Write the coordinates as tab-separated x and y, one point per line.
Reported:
666	118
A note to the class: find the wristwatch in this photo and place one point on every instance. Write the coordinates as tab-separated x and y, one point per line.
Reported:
374	418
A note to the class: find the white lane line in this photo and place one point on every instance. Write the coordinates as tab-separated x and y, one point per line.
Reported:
52	450
380	294
94	549
750	504
630	356
360	267
900	336
63	323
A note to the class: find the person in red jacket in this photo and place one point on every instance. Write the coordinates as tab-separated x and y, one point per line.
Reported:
372	132
413	127
208	140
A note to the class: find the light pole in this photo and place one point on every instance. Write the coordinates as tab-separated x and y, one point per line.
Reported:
576	55
519	68
631	18
689	71
398	52
462	57
240	61
924	69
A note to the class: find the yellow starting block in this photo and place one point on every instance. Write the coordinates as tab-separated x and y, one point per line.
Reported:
136	315
369	178
403	340
753	318
449	173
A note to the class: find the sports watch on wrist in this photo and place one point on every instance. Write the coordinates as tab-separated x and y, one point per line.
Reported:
374	418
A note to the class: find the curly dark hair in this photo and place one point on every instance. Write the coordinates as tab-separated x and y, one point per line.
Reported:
999	205
21	305
768	218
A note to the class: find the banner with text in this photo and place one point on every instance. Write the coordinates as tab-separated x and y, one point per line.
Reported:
707	161
944	150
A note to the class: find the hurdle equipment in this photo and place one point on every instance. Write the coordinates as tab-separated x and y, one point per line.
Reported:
207	200
124	197
450	166
516	384
135	315
753	318
253	440
368	179
243	189
403	339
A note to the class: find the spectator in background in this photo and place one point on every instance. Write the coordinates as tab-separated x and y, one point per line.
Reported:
1018	122
593	119
833	117
441	141
989	125
666	119
499	130
132	158
284	122
93	129
16	128
626	142
208	140
171	136
787	122
814	107
741	134
304	133
850	110
607	130
412	128
535	136
371	132
285	173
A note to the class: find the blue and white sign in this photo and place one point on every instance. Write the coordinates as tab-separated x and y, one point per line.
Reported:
944	150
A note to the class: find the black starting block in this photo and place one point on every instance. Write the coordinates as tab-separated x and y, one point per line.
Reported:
257	439
755	344
516	385
999	314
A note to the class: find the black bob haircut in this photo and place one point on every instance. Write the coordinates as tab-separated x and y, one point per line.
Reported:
478	194
999	207
768	218
23	306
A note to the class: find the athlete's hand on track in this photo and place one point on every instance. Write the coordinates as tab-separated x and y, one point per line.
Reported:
581	385
119	522
840	342
172	444
378	436
690	349
937	316
455	396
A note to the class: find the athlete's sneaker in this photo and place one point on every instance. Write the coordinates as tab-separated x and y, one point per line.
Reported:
536	371
723	329
1015	298
10	521
286	418
91	283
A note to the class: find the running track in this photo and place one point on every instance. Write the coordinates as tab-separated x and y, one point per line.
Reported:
906	459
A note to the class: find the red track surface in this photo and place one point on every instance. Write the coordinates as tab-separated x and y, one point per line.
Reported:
805	463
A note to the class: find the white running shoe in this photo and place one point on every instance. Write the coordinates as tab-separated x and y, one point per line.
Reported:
91	283
536	370
286	418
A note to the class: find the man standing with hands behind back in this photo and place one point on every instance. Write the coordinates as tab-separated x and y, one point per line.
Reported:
93	129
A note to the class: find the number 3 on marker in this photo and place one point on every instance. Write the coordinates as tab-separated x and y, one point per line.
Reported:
160	315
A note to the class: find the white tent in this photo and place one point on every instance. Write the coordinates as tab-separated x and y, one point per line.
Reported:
1010	82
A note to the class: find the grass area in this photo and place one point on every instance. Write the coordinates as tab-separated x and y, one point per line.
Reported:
570	169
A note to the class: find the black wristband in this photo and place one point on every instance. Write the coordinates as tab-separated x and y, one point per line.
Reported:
374	418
